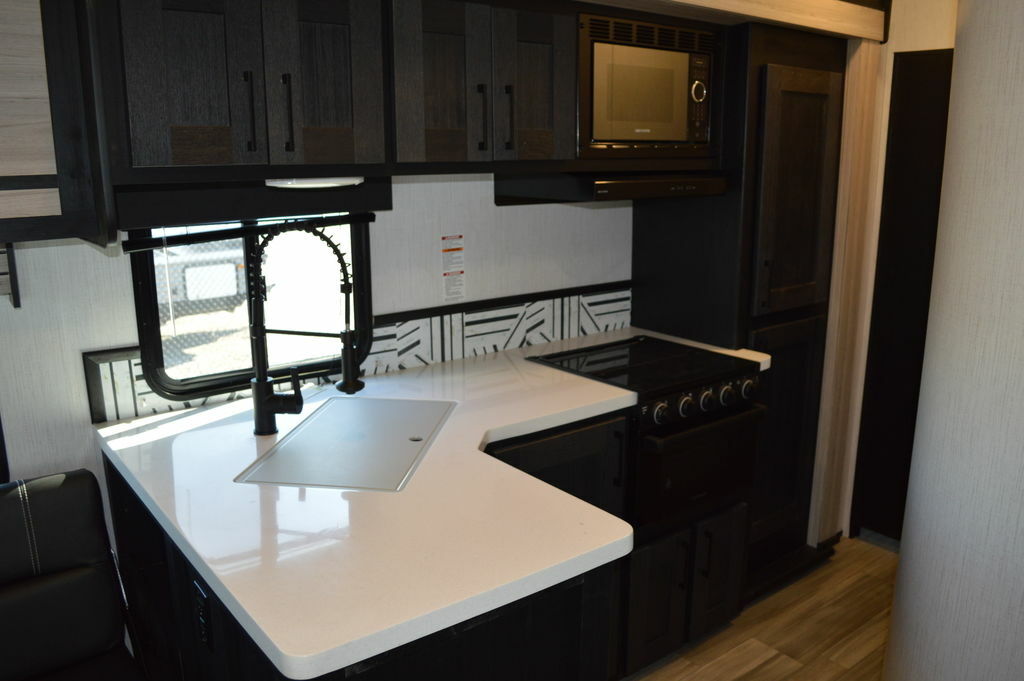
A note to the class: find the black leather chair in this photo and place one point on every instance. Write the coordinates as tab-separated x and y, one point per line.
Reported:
61	609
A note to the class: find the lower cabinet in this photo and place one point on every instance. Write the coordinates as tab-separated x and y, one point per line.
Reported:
719	544
586	460
784	468
684	585
658	599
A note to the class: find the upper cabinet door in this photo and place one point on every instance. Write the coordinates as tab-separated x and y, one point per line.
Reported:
442	81
534	85
324	81
799	176
194	81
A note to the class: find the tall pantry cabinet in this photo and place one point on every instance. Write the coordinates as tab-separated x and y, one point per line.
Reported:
751	268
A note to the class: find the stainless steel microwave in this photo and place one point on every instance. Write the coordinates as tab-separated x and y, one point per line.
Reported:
645	89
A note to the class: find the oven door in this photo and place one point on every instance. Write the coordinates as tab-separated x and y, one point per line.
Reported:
688	473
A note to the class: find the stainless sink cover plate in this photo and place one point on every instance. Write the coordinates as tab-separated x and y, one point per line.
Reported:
353	443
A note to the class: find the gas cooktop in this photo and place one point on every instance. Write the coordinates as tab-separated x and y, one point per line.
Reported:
649	366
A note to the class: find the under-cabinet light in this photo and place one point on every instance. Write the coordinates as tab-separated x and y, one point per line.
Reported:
314	182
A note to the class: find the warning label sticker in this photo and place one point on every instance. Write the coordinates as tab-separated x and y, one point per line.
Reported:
453	267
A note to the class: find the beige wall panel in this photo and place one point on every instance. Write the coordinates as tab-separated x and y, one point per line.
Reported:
828	16
861	132
26	137
958	611
21	203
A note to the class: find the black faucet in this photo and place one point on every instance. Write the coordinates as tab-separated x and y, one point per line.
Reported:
267	403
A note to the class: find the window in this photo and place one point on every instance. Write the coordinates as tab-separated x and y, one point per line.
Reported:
191	301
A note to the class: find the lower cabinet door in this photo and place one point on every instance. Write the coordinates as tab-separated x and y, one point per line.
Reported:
657	606
718	561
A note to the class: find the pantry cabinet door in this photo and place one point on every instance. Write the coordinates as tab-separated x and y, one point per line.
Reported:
798	181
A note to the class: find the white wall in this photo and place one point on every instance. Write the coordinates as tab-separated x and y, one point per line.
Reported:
76	298
959	608
509	249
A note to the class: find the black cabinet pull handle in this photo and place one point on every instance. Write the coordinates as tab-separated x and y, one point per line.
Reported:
289	145
706	571
482	144
510	144
248	78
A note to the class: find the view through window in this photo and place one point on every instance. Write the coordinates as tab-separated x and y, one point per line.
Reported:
201	297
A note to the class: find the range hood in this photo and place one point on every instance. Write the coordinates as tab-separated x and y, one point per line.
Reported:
576	187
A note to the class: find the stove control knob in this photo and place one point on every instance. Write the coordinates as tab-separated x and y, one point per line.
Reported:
686	406
727	396
748	388
707	400
660	413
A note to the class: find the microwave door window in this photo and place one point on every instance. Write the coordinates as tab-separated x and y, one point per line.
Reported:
640	94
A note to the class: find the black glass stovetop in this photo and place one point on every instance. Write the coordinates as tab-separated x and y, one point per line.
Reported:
649	365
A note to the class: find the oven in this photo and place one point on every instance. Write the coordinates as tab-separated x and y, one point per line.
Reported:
689	464
683	472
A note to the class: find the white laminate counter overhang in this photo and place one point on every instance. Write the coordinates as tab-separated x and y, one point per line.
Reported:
321	578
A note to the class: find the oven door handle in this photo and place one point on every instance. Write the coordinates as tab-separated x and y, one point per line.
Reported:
658	444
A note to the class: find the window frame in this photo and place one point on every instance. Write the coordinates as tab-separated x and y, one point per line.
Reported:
151	348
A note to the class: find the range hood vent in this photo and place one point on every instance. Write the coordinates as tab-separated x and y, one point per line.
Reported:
573	188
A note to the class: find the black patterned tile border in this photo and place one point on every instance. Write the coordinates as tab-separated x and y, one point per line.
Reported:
117	389
441	338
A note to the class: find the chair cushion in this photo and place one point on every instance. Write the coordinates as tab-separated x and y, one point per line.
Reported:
51	524
54	621
60	601
116	665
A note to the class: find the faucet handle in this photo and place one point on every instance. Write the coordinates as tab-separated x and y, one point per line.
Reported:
294	401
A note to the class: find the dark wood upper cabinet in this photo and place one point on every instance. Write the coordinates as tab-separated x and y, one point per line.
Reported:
474	83
799	169
442	81
325	81
534	85
225	82
194	80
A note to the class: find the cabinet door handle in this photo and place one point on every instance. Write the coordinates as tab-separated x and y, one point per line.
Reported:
510	143
286	78
706	571
486	125
247	76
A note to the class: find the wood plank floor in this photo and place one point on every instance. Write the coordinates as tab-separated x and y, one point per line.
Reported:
832	625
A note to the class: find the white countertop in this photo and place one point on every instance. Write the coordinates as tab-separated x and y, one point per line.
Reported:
323	578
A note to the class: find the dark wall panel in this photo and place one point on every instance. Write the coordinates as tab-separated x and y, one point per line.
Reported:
903	277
